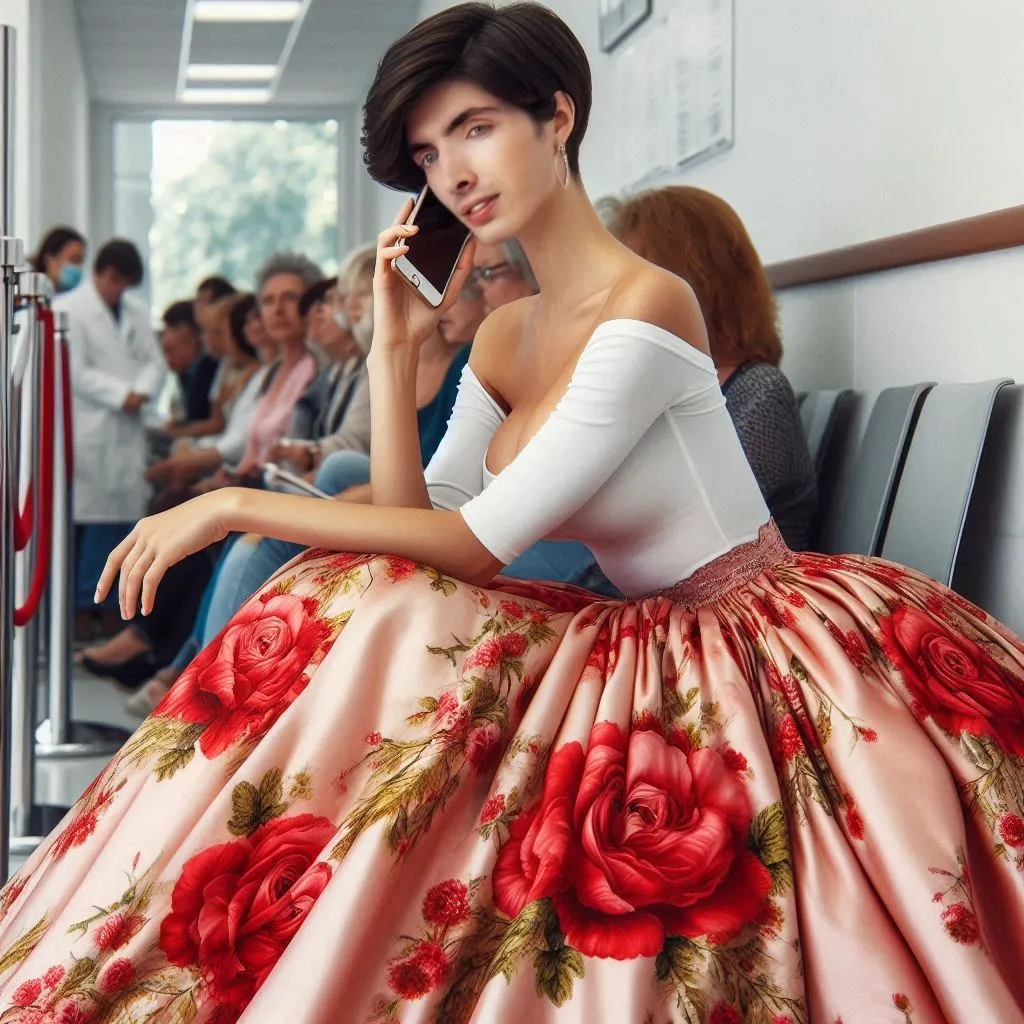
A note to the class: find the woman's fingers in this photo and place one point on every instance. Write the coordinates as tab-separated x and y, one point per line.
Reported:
403	214
113	564
132	576
154	574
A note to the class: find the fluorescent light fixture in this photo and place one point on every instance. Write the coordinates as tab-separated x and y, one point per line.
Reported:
246	10
226	97
231	72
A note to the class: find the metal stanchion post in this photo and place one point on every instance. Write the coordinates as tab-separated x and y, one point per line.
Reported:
59	736
12	255
26	391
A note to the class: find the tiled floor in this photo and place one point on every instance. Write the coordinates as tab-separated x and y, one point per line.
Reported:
61	782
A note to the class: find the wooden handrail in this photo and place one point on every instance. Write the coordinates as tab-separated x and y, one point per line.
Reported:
1002	229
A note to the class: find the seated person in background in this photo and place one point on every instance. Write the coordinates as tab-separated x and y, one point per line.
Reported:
234	329
281	283
701	239
194	368
335	410
345	472
503	274
212	290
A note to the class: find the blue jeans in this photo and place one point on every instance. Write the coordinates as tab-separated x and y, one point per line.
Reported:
561	561
93	543
246	567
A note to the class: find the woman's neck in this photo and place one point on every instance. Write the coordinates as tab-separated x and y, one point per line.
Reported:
436	350
291	353
573	255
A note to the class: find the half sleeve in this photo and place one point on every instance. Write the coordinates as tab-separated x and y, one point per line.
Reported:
622	384
455	474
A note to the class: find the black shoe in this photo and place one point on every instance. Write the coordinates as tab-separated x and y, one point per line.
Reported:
131	673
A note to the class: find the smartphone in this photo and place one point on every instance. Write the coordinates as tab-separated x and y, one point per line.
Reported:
434	250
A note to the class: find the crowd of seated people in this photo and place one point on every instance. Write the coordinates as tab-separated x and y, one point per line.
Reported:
280	376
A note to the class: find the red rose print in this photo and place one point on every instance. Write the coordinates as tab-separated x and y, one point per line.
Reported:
400	569
483	748
724	1013
788	742
867	735
27	992
734	760
513	645
374	739
512	610
538	617
954	681
781	1018
485	655
118	975
901	1002
242	682
961	924
447	904
117	931
1011	829
75	1011
236	906
54	976
11	892
425	970
854	822
636	840
493	809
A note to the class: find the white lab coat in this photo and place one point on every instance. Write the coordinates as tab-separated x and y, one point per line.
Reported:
109	360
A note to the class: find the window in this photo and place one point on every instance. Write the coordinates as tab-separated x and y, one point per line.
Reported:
221	196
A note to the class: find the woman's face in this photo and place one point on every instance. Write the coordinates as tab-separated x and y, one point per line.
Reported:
256	334
490	163
216	334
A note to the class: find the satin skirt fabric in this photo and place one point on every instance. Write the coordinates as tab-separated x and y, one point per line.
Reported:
384	795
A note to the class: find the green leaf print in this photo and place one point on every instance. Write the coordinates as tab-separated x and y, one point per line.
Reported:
555	971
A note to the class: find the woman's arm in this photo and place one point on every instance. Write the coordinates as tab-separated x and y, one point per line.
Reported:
213	424
437	538
402	323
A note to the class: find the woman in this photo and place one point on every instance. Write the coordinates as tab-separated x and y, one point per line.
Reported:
60	257
420	797
699	237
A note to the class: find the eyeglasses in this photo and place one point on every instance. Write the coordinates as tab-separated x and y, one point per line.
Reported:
504	269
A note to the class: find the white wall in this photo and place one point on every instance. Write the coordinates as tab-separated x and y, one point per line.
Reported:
60	120
16	14
51	128
852	122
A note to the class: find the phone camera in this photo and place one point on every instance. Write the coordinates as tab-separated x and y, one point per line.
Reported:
416	280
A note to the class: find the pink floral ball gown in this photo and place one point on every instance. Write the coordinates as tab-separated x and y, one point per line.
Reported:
787	789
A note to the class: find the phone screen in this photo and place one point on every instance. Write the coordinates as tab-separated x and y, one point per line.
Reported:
434	249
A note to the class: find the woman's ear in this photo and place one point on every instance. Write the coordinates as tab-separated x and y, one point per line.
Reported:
565	116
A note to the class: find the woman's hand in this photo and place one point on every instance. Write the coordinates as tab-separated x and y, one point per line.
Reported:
157	543
402	321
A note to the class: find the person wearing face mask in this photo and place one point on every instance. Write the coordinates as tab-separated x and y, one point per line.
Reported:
116	366
60	257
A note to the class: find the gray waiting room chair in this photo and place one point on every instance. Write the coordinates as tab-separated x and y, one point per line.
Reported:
862	499
990	566
818	415
934	491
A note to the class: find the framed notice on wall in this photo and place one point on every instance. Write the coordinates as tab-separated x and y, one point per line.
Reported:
619	17
675	91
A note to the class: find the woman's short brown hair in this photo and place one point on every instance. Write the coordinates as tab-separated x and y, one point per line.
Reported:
700	238
522	53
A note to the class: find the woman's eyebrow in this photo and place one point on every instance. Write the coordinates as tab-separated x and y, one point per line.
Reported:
456	122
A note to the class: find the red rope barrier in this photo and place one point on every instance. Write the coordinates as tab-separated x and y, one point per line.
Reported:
47	408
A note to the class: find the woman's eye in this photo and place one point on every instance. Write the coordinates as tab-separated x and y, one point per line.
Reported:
427	159
477	130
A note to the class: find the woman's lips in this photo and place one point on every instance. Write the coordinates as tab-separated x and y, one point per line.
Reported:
482	212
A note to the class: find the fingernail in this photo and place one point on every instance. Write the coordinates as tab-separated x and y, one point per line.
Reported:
96	596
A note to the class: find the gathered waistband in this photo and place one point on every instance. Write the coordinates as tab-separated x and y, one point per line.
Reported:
733	569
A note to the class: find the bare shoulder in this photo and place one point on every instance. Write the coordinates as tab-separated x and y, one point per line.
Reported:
655	296
495	343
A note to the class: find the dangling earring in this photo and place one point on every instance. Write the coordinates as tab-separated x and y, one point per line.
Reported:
565	160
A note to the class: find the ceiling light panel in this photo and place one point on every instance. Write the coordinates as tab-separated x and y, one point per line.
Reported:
231	72
246	10
226	97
